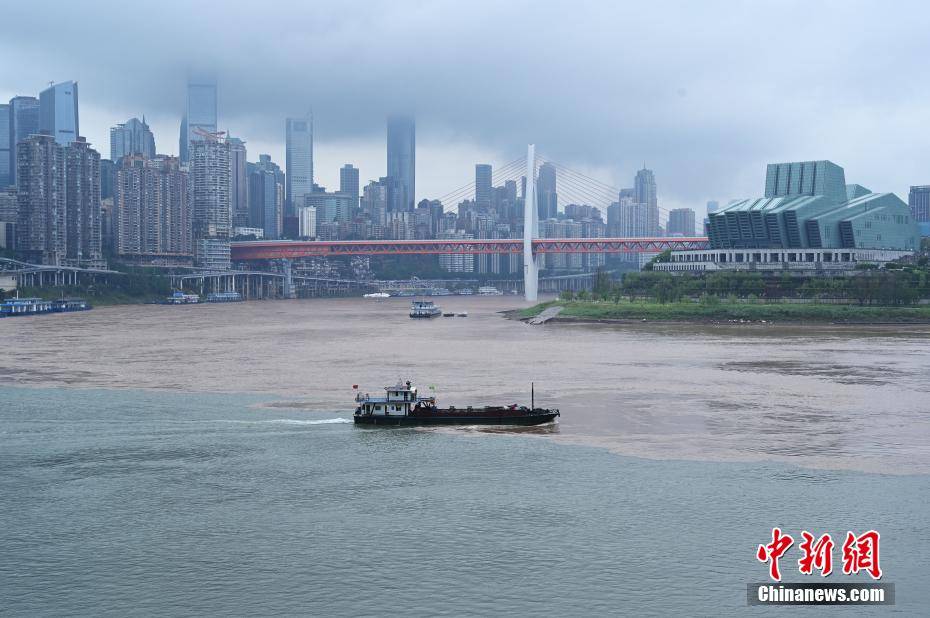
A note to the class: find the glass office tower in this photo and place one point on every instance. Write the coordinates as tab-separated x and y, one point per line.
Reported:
58	112
201	115
401	162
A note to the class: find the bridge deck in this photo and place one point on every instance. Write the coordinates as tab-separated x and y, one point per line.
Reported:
280	249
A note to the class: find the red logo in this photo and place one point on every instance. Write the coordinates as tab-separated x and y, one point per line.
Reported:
817	554
860	553
773	551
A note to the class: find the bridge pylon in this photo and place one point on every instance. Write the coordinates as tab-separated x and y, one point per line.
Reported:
530	228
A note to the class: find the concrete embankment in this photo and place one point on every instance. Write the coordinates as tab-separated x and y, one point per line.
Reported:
545	315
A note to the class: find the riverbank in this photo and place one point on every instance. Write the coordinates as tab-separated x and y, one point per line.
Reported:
96	297
624	311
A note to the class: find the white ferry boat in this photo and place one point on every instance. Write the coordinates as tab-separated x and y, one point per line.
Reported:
424	309
489	290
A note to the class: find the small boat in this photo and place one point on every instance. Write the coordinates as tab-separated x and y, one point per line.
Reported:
377	295
402	406
66	305
424	309
489	290
463	314
180	298
448	314
224	297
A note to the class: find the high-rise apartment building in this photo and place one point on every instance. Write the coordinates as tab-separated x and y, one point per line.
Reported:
644	187
401	163
24	121
5	146
9	214
59	218
152	219
58	112
82	203
298	161
209	177
918	200
200	116
132	137
238	182
306	222
680	222
547	197
42	223
634	220
374	201
483	184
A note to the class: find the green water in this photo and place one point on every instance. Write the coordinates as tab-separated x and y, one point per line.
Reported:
128	502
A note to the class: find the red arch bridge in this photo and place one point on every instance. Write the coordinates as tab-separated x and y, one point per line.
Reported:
290	249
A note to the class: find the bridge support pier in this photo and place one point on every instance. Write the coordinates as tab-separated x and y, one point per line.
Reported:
288	284
530	228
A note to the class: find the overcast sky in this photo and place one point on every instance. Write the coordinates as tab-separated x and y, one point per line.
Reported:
705	93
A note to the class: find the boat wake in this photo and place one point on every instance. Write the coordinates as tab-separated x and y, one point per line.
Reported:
290	421
321	421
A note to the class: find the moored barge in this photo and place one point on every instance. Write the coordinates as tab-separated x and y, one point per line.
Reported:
402	406
424	309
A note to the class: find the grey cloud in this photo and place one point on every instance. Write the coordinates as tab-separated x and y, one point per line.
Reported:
704	92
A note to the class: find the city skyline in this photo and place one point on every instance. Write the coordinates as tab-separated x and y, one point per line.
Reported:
677	111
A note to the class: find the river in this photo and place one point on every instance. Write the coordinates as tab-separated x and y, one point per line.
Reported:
188	460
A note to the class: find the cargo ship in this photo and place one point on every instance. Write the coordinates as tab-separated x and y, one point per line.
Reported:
402	406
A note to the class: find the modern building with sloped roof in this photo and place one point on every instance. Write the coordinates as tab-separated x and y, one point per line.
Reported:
809	217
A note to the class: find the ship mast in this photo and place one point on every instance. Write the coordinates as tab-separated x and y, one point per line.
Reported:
532	396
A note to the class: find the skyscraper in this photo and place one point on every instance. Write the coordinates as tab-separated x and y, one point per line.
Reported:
644	186
266	196
200	116
5	126
712	206
9	215
24	121
132	137
82	169
348	182
680	222
919	202
152	211
58	112
483	173
635	220
209	175
547	197
401	163
42	223
298	162
59	219
238	182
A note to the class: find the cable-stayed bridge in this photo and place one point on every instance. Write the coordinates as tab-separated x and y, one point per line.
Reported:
574	188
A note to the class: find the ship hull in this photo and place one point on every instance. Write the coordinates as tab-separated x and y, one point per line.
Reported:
456	418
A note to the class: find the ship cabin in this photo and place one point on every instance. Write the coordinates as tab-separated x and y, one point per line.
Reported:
398	400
